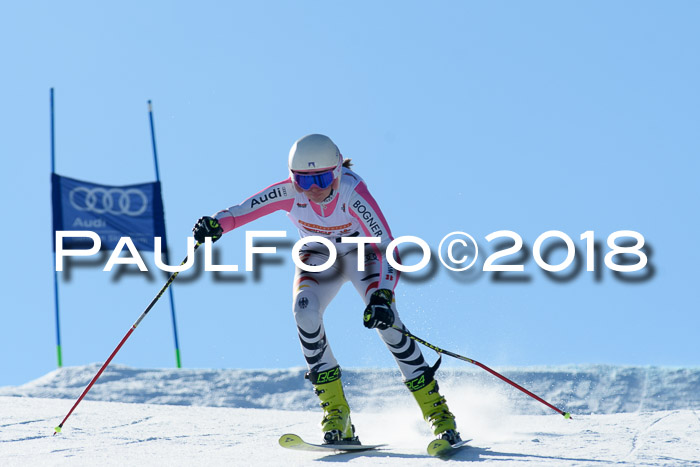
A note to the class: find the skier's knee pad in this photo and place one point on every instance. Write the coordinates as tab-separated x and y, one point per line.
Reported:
307	310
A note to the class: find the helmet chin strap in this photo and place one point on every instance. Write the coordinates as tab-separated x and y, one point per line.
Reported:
330	197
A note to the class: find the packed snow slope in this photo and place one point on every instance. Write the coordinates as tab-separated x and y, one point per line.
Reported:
627	415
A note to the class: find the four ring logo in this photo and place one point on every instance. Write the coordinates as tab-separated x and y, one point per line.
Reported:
116	201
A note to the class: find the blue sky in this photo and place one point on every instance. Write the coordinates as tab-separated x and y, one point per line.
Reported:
471	116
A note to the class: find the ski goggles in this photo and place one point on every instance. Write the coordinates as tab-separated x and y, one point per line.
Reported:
321	180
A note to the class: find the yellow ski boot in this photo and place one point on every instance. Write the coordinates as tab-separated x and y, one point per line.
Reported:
336	424
434	409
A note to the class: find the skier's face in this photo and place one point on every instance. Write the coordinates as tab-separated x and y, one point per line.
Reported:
316	194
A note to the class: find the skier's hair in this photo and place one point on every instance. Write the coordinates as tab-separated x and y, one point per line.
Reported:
347	163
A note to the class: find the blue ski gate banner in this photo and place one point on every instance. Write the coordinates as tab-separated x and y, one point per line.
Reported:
134	211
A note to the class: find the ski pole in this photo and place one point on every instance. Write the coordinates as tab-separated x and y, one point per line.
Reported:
138	321
566	415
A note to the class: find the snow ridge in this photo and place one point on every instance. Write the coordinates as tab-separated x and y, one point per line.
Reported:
599	389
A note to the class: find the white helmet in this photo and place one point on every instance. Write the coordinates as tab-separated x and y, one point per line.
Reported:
314	153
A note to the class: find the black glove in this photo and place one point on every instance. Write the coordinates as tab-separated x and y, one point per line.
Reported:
207	227
378	313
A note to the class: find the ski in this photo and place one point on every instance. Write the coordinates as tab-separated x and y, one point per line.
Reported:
292	441
442	447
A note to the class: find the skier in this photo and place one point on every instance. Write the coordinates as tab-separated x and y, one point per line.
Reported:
324	197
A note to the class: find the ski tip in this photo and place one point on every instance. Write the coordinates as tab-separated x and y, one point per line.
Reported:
442	447
438	447
289	439
567	415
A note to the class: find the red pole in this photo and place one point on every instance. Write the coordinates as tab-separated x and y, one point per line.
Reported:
566	415
94	379
133	327
517	386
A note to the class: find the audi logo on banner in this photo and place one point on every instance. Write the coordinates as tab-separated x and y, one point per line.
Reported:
116	201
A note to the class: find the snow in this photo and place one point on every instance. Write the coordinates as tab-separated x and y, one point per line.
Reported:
627	415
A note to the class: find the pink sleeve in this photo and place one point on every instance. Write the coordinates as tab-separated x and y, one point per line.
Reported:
366	210
279	196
